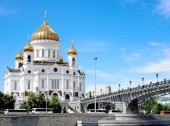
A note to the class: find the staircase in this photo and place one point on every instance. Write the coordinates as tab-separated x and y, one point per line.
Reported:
71	110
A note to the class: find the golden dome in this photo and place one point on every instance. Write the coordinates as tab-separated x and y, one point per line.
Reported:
19	56
61	59
28	48
72	50
45	32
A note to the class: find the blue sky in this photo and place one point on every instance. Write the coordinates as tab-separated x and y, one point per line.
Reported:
130	38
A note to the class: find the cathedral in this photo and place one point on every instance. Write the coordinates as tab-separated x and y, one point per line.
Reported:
40	68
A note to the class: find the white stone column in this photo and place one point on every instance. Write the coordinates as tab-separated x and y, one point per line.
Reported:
62	86
78	85
72	97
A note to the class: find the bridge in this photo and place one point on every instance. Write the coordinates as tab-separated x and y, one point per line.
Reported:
127	99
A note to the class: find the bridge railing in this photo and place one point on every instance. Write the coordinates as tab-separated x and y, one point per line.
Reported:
160	84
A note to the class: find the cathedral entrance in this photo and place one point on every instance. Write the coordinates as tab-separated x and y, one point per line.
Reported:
67	97
55	95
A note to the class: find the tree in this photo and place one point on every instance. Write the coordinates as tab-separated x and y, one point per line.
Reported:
39	101
31	103
34	101
1	101
24	105
157	108
6	101
147	104
152	106
54	103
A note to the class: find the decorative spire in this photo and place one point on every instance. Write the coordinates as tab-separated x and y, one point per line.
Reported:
28	47
72	50
45	16
72	43
28	39
45	32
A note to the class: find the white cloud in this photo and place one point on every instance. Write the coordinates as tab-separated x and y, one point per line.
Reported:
131	56
154	43
6	11
131	1
161	62
152	67
92	46
163	8
103	76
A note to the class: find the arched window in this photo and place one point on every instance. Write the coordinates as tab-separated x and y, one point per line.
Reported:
49	53
37	53
42	52
67	84
73	62
29	84
15	85
20	64
55	95
53	53
29	58
67	97
80	86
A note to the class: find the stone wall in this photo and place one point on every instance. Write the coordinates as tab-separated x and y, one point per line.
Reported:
48	120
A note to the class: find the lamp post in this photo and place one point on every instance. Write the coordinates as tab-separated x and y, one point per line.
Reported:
95	59
119	87
130	82
142	80
157	77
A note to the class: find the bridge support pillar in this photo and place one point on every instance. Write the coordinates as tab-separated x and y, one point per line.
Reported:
120	106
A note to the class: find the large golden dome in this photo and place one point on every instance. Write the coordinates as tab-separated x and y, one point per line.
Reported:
72	50
45	32
19	56
28	48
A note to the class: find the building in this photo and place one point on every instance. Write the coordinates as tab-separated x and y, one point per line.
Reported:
40	68
108	90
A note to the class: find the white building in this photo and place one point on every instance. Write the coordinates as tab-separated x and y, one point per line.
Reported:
41	69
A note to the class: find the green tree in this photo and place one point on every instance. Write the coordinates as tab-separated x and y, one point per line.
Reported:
147	104
1	101
24	105
152	106
39	101
54	103
166	107
32	101
6	101
157	108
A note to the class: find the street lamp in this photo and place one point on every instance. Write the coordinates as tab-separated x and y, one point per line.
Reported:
119	87
142	80
130	82
157	77
95	59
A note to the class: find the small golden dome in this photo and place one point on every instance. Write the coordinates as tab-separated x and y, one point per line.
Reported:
28	48
19	56
61	59
72	50
45	32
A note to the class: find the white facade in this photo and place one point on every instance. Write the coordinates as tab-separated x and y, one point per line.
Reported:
43	70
